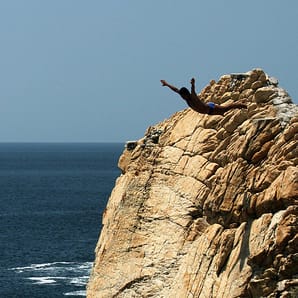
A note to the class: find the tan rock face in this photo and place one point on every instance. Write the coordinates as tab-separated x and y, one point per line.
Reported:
206	206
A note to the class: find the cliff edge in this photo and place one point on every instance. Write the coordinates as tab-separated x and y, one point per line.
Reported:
206	206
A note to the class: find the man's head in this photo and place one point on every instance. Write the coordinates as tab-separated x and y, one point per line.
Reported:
184	93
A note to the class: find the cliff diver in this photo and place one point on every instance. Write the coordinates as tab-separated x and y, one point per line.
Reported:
198	105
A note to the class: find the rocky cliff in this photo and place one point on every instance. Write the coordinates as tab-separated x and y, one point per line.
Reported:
206	206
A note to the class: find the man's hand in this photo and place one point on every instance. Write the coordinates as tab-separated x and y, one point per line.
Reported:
192	81
164	83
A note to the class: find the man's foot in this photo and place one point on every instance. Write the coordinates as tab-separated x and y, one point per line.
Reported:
241	105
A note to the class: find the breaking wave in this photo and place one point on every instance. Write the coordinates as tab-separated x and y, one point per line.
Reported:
58	274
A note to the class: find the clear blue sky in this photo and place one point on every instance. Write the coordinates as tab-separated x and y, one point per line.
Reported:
89	71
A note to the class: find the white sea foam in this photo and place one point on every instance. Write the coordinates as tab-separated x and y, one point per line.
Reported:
49	266
76	293
79	281
32	267
57	273
42	280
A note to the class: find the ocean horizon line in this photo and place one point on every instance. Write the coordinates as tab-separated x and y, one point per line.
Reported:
62	142
57	146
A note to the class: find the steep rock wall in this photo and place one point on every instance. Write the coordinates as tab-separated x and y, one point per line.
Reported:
206	206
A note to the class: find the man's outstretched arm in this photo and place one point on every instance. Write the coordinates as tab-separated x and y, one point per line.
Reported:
164	83
193	87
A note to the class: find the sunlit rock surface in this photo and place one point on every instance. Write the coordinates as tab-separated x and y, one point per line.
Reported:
206	206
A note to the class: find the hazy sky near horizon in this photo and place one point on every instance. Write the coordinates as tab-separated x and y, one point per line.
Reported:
89	71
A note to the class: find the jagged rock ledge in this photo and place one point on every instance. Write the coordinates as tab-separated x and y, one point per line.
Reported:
206	206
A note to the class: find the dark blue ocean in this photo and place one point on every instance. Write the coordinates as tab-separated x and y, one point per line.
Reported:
52	197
